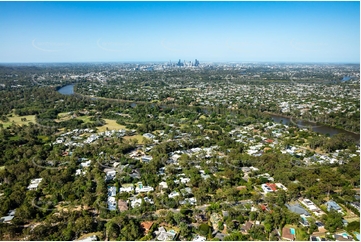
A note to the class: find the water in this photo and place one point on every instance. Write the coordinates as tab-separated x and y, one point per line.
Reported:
322	129
346	78
67	90
293	231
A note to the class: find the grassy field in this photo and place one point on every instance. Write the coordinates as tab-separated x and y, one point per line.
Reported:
17	120
138	137
110	124
86	119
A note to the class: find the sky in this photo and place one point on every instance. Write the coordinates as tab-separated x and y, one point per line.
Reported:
168	31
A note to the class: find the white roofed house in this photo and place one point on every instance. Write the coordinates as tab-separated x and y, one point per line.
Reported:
149	135
9	217
112	191
140	188
127	189
266	188
110	174
85	164
173	194
163	185
146	158
34	183
112	203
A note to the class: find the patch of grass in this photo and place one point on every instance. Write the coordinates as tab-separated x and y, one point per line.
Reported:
86	119
301	234
137	137
17	120
2	168
43	138
110	124
64	114
14	138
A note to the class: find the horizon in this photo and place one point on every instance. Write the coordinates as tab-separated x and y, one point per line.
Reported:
83	32
162	62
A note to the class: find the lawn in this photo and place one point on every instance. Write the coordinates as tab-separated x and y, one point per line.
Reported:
110	124
2	168
17	120
138	137
86	119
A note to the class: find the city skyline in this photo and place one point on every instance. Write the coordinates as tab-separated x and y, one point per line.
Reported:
326	32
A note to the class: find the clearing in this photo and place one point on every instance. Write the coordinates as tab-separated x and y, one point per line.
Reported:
17	120
110	124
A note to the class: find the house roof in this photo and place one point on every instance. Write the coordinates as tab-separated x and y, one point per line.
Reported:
342	238
332	205
146	225
247	226
272	186
122	205
6	219
286	233
220	236
297	208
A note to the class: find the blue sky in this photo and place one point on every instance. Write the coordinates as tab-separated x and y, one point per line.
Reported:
163	31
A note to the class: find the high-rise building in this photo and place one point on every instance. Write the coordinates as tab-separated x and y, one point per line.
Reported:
179	63
196	63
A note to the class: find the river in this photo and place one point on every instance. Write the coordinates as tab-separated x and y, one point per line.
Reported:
322	129
67	90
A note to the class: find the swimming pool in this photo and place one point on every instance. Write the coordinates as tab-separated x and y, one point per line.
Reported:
293	231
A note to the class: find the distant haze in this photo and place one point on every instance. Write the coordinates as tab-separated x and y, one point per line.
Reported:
163	31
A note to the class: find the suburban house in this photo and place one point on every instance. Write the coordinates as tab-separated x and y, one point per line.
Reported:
146	158
128	189
140	188
110	174
246	227
85	164
90	238
312	207
287	234
112	203
163	185
266	188
281	186
34	183
164	235
122	205
112	191
149	135
297	208
146	225
333	205
199	238
173	194
9	217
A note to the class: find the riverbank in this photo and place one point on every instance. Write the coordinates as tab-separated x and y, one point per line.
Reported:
311	122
